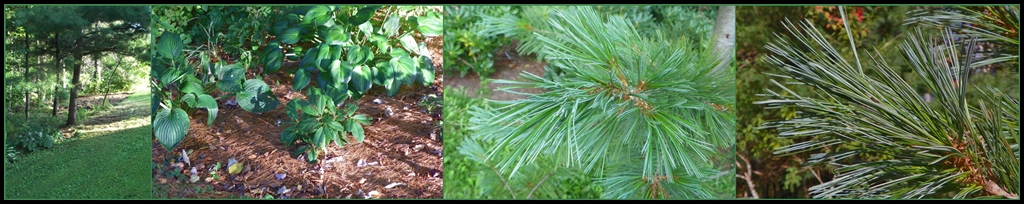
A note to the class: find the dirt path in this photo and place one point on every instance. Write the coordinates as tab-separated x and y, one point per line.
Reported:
508	65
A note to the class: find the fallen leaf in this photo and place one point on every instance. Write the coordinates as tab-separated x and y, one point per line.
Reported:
251	157
235	168
193	179
374	194
184	157
392	185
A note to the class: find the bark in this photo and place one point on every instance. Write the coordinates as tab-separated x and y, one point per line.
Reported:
76	75
25	77
56	64
725	35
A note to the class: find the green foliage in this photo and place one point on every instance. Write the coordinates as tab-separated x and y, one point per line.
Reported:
895	144
32	141
318	122
346	50
757	144
10	154
469	50
648	110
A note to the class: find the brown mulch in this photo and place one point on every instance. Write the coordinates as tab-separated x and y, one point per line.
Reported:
399	158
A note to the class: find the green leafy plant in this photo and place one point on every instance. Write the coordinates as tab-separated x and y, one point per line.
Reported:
318	123
178	91
350	49
953	148
32	141
468	49
643	113
10	154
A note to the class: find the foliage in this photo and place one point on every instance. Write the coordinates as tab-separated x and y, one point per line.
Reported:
10	154
341	53
319	123
999	25
32	137
649	110
754	147
469	50
351	49
919	150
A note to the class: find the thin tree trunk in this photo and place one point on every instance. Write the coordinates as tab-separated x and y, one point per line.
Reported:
25	77
76	75
725	35
56	64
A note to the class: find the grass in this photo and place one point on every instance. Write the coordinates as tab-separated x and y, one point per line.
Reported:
106	161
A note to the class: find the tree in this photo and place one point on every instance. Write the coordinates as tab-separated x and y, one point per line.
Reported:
646	112
951	147
75	24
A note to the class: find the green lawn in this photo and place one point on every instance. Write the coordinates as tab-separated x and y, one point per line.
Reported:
106	161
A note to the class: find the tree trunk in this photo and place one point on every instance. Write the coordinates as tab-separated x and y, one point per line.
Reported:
76	75
25	77
725	35
56	64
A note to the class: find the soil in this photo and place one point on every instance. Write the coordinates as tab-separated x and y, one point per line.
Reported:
399	158
508	65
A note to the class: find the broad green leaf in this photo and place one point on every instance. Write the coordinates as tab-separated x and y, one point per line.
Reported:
431	24
338	95
336	126
358	55
288	135
318	15
383	72
190	100
323	57
363	15
257	97
362	78
312	155
366	28
382	43
351	109
390	27
320	137
170	76
405	69
191	84
280	27
274	59
170	45
290	36
292	109
409	43
340	73
170	126
426	71
356	129
309	60
300	81
308	109
392	87
361	118
207	101
230	79
336	51
336	35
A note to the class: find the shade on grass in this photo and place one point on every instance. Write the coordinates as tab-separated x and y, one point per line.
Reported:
105	164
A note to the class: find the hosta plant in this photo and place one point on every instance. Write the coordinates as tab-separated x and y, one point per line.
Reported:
180	90
644	113
948	148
